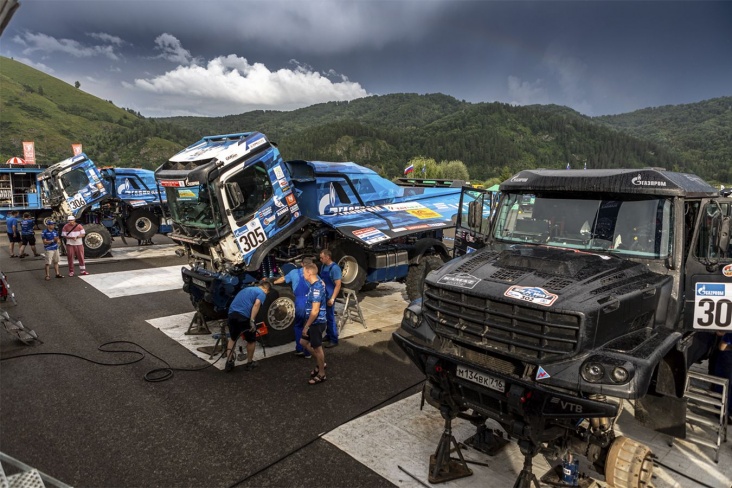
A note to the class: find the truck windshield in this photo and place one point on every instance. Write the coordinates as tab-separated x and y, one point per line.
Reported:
191	206
75	180
637	227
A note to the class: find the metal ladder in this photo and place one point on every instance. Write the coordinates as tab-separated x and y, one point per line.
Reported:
351	309
706	410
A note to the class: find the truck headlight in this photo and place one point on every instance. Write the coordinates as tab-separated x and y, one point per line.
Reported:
411	318
593	372
619	375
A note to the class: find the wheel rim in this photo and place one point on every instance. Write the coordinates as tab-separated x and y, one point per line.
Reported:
281	313
143	224
93	240
349	269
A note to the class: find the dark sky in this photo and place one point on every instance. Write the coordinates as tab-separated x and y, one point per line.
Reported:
165	57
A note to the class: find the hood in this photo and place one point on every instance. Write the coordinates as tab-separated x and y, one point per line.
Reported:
535	302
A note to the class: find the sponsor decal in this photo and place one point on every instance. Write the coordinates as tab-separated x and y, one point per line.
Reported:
278	201
172	183
541	374
290	198
516	179
461	280
282	211
396	207
284	184
296	214
438	224
269	219
727	271
370	235
186	194
710	289
424	213
713	306
255	144
251	236
294	208
442	206
639	181
418	227
470	249
532	294
265	212
278	172
398	229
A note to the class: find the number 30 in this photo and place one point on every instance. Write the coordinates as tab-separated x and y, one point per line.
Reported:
722	311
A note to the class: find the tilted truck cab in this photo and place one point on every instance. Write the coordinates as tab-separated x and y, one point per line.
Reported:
591	286
242	213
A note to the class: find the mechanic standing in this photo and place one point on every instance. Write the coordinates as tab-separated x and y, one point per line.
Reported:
300	288
331	275
242	320
312	334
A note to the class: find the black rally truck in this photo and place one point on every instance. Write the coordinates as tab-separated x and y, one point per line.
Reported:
585	287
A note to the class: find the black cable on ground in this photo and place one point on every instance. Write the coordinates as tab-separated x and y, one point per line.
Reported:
311	441
657	463
153	376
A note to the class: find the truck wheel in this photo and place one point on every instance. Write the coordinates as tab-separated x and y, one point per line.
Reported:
142	224
97	241
628	464
278	312
41	218
417	274
352	261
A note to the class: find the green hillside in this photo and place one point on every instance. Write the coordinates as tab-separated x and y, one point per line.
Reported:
40	108
493	139
699	132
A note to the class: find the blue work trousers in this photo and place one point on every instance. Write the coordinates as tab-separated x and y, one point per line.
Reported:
331	329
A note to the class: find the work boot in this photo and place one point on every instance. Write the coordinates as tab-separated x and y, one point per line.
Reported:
251	366
229	365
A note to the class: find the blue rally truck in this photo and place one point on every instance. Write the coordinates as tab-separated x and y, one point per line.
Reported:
242	213
110	202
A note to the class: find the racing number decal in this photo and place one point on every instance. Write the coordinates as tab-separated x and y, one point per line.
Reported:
76	202
713	306
251	236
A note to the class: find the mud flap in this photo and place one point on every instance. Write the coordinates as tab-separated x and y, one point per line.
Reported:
665	414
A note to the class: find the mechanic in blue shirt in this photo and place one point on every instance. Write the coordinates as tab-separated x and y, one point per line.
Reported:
300	288
27	236
50	244
331	275
312	334
13	234
242	315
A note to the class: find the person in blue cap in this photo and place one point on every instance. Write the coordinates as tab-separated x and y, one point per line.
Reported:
331	275
50	244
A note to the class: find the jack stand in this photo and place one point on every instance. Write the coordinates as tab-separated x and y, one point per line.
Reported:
526	477
198	325
222	338
442	466
488	441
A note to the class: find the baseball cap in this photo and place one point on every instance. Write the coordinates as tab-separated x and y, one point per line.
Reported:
50	222
71	217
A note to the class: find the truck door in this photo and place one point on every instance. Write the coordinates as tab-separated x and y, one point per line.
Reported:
708	294
259	205
82	186
473	221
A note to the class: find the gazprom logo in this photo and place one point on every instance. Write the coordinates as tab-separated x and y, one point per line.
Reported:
710	289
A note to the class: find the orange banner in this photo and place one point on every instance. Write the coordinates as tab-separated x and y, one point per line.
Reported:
29	152
76	148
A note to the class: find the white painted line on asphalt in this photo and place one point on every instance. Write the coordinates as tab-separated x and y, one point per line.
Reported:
136	282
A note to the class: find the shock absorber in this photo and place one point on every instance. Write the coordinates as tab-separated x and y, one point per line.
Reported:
599	424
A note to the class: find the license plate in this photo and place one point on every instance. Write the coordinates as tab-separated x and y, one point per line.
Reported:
200	283
481	379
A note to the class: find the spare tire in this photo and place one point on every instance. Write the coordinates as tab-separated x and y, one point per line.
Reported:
97	241
142	224
417	274
351	258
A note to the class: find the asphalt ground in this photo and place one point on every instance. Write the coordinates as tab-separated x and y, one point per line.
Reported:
92	425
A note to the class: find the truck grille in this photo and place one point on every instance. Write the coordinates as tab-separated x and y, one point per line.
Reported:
510	329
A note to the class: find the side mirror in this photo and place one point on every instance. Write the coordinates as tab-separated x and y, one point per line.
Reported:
475	214
236	197
723	237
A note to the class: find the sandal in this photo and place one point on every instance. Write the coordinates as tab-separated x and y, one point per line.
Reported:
317	379
59	276
314	372
48	278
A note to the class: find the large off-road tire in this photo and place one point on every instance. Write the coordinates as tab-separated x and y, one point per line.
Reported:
278	312
351	258
142	224
417	274
629	464
97	241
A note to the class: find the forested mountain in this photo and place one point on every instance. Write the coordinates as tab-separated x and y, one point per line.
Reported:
384	132
53	114
701	133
